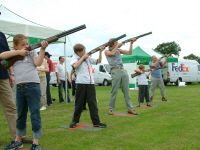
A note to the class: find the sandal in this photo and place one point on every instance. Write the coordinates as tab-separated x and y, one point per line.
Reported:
138	105
149	105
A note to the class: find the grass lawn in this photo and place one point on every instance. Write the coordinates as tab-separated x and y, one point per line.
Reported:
173	125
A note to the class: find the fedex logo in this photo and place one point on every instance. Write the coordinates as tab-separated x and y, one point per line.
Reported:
181	68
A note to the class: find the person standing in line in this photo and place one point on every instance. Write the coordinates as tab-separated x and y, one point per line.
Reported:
156	76
119	75
85	85
60	75
143	91
48	77
43	82
28	92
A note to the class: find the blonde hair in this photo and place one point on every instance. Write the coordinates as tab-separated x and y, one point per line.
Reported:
78	48
17	38
141	67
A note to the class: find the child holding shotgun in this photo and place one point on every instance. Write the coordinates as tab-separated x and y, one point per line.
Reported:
28	91
143	91
85	88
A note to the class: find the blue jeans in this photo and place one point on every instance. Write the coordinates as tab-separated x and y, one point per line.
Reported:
60	88
28	96
49	99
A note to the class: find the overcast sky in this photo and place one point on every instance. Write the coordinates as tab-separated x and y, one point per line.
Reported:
169	20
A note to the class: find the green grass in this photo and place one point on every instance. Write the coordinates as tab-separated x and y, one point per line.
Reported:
173	125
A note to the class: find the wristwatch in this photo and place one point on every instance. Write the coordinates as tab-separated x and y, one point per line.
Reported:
11	74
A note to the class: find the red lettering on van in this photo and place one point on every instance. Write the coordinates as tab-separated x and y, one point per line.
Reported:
184	69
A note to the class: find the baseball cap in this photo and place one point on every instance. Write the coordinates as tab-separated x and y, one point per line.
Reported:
46	53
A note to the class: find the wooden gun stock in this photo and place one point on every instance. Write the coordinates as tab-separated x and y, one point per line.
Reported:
137	73
139	36
9	62
106	44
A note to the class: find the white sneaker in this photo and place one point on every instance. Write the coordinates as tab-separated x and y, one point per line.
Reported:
43	108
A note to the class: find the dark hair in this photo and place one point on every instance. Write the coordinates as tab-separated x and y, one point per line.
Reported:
60	57
78	48
47	54
17	38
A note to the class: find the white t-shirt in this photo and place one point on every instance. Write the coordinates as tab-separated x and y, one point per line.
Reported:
142	79
84	71
60	69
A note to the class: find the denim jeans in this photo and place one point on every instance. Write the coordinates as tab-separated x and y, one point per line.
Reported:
49	100
60	87
28	96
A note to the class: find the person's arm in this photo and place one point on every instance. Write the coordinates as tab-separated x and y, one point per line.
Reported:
58	79
156	63
113	52
78	63
8	54
152	70
129	52
39	59
100	53
165	61
12	78
138	71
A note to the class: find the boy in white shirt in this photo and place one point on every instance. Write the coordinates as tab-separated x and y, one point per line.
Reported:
85	85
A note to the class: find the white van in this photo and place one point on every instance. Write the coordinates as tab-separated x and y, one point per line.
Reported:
185	70
101	74
55	61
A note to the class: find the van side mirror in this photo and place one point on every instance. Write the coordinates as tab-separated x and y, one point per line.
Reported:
101	68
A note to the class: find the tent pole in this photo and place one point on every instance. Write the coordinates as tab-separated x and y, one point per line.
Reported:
66	88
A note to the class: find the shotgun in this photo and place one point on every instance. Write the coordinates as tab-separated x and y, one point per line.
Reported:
106	44
174	52
10	61
147	70
139	36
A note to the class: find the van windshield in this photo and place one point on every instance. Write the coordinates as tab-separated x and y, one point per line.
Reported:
107	67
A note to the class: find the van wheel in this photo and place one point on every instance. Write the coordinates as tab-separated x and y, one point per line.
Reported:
165	83
188	83
105	82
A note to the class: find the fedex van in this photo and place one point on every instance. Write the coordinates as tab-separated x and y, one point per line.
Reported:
101	74
55	61
185	71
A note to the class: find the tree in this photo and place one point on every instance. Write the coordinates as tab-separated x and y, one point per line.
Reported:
166	48
192	57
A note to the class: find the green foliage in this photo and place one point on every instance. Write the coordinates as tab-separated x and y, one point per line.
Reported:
192	57
167	48
172	125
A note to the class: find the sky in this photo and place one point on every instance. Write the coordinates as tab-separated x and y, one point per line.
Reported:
168	20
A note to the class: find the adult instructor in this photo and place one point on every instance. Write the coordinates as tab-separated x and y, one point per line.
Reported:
156	76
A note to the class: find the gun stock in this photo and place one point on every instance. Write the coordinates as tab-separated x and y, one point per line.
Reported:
106	44
139	36
9	62
137	73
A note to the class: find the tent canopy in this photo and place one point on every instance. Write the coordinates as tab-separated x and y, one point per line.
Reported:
12	24
143	56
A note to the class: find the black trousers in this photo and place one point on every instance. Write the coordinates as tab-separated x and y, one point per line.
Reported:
86	91
143	92
49	99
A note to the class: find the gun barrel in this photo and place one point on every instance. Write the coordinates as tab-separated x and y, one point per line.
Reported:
106	44
139	36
